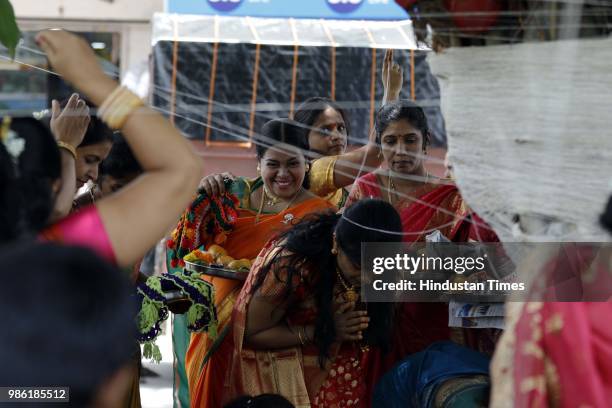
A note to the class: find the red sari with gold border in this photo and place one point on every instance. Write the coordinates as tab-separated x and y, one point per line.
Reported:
433	206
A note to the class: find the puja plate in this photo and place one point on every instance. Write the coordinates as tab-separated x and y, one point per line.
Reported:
217	271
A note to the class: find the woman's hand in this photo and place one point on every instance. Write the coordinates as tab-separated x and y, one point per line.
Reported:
392	77
350	323
70	125
72	58
214	185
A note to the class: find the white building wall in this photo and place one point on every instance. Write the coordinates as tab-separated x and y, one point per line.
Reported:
88	9
130	19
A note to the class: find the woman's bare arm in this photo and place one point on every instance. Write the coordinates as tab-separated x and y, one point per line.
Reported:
266	328
349	165
139	215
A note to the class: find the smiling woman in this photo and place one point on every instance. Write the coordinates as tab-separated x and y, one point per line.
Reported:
267	206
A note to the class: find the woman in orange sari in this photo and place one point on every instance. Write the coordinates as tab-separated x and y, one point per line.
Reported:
425	204
267	205
297	331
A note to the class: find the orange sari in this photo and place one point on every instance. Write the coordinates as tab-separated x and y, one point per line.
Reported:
207	359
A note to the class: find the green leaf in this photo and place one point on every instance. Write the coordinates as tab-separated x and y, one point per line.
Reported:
9	32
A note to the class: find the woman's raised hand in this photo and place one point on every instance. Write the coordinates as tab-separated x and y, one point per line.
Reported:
350	323
70	124
214	184
71	57
392	77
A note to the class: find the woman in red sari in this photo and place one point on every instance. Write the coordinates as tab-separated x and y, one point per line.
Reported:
296	330
425	203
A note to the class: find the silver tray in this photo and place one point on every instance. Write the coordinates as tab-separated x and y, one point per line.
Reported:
217	271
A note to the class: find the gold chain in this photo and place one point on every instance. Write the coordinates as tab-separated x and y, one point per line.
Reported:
391	185
272	199
349	291
263	200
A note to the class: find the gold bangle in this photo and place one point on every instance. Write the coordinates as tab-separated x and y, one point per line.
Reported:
119	116
109	101
71	149
118	106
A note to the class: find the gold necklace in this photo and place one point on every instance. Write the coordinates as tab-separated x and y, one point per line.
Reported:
288	217
391	185
351	296
272	200
350	293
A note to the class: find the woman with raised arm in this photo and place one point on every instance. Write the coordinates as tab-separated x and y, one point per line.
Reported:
327	127
124	225
425	203
266	206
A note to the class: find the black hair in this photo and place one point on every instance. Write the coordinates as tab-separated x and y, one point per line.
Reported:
406	110
97	131
71	319
27	181
120	162
281	130
261	401
309	244
309	111
286	131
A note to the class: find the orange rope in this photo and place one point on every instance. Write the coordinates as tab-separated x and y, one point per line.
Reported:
296	48
211	93
372	89
412	89
254	90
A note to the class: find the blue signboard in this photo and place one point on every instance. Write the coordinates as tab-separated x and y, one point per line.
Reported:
327	9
